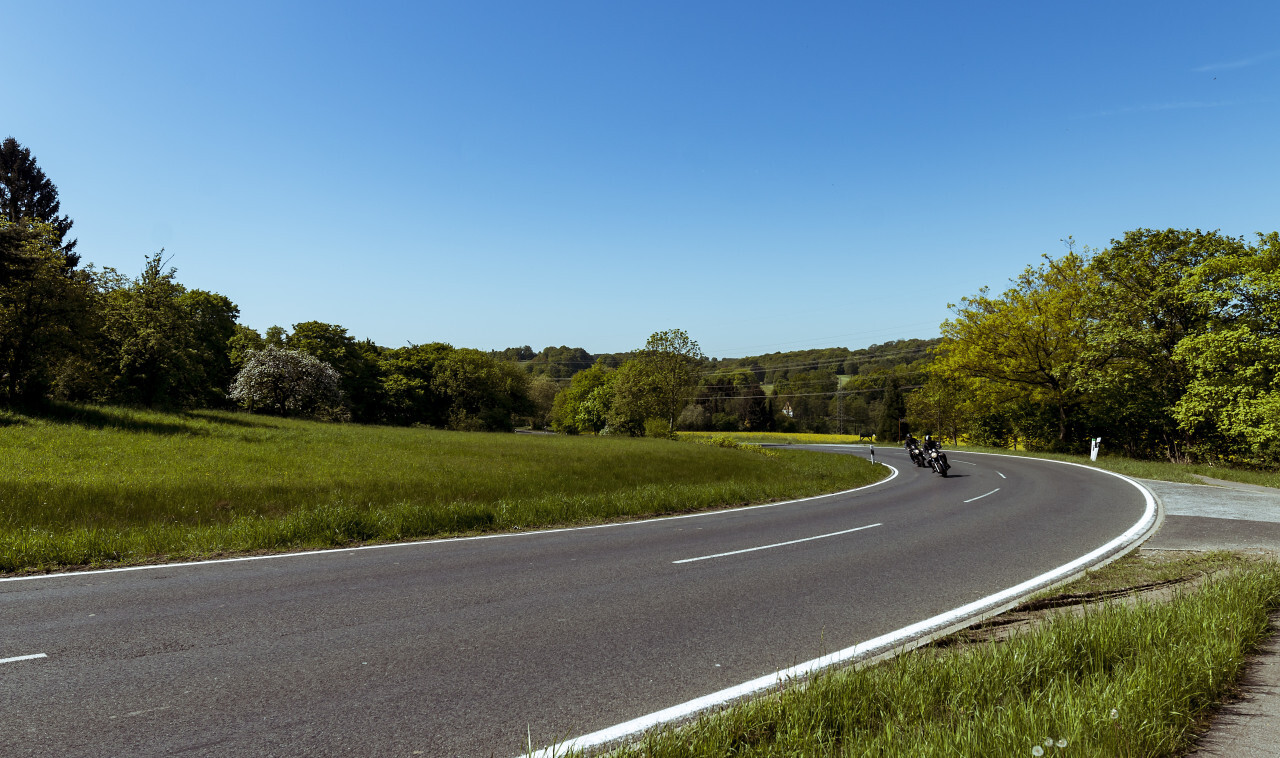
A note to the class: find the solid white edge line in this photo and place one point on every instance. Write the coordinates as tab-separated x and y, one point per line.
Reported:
883	646
777	544
979	497
450	540
23	658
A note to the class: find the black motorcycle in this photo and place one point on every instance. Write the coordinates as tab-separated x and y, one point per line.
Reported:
938	461
917	455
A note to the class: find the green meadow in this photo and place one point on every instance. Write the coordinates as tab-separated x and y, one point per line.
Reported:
93	486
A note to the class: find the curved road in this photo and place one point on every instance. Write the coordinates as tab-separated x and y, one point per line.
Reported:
469	647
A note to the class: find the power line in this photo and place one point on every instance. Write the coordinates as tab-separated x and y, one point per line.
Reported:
728	369
803	394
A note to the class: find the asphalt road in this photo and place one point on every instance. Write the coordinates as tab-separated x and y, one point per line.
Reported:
467	647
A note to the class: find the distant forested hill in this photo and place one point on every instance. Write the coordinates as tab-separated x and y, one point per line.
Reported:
898	357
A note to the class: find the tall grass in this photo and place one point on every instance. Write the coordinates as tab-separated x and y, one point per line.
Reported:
89	485
1116	681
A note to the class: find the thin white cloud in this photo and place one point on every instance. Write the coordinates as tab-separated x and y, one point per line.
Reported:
1242	63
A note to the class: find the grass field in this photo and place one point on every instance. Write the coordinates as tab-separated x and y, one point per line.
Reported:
87	486
1115	680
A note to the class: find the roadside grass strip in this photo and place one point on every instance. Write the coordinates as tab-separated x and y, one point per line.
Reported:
1114	680
100	487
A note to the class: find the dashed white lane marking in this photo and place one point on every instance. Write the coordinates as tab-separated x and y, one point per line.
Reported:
979	497
776	544
967	463
1002	476
23	658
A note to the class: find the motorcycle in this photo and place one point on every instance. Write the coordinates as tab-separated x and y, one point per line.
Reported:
938	461
917	456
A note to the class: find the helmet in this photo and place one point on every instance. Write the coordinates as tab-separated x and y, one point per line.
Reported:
928	438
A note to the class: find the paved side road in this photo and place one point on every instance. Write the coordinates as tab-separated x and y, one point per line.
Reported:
1222	516
1229	516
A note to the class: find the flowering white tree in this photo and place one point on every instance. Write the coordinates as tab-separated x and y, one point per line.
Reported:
286	382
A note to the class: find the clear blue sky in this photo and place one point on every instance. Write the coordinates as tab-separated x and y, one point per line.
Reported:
765	175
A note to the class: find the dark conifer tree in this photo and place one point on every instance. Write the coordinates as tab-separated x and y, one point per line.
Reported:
25	192
894	408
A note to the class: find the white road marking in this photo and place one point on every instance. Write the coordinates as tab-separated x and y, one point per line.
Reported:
979	497
1002	476
23	658
906	638
504	535
776	544
967	463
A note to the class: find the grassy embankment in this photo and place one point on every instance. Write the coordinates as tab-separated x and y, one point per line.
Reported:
1108	680
90	486
1161	470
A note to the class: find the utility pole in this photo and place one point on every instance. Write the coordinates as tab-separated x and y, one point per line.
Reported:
839	409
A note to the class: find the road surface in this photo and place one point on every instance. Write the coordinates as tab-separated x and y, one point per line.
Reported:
470	647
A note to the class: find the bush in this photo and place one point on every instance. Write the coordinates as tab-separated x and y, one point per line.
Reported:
287	382
658	428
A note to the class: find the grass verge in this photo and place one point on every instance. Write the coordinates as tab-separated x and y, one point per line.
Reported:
91	486
1114	680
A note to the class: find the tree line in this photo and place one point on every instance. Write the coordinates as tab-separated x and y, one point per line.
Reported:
1166	344
806	392
84	334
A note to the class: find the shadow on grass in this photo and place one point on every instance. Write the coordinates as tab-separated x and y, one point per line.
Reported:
121	419
228	418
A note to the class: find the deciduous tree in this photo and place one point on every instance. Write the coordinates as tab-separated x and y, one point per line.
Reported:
356	362
1032	340
286	383
44	310
673	360
584	405
1231	405
1148	295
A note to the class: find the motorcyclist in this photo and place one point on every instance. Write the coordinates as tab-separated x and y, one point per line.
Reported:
938	461
912	446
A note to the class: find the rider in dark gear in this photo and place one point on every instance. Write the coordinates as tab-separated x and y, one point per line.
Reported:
912	446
